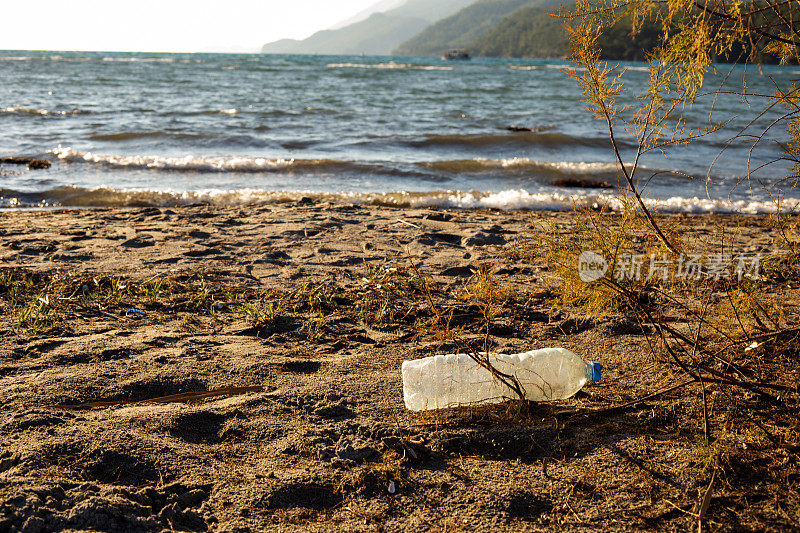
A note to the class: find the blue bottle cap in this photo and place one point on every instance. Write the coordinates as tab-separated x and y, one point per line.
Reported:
597	369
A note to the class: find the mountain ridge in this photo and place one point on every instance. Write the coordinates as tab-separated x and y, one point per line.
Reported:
384	5
379	34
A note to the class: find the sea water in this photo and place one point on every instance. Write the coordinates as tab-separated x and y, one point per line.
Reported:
166	129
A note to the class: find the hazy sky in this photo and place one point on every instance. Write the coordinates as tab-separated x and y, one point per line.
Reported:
165	25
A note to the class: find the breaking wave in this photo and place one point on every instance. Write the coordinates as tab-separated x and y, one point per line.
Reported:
234	164
18	110
428	171
522	163
508	200
198	164
263	164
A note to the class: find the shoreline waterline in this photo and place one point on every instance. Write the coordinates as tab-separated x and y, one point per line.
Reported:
506	200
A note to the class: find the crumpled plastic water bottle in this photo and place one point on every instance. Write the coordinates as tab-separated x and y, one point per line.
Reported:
453	380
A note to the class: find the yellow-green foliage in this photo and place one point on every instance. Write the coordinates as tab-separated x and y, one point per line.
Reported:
484	291
609	235
728	304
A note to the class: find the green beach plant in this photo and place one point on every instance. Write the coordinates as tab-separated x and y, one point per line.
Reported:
262	310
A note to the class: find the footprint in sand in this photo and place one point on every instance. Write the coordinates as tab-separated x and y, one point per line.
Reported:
140	241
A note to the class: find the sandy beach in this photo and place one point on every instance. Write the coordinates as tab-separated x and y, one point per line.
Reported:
289	323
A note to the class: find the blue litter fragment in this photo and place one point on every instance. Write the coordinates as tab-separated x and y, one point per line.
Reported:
135	311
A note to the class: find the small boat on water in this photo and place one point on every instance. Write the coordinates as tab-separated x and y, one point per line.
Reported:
456	55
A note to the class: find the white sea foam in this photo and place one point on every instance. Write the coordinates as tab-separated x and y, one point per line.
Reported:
200	164
138	60
481	164
18	110
390	66
506	163
581	167
256	164
566	67
524	67
572	167
508	200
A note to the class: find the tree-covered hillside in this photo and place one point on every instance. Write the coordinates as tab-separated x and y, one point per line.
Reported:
463	28
518	28
535	32
529	32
